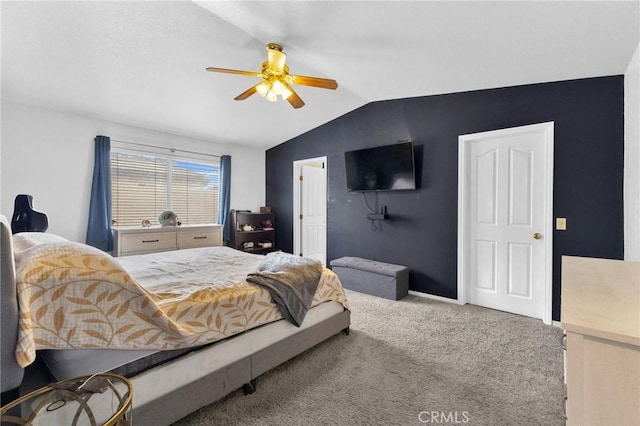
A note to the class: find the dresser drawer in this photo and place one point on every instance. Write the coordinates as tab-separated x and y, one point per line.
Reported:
199	238
147	242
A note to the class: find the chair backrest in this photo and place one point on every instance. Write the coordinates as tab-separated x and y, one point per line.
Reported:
11	373
25	218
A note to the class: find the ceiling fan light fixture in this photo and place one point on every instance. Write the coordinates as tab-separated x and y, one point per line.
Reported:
271	97
263	88
271	89
280	89
277	80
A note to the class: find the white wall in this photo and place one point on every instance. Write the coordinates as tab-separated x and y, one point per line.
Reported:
632	159
50	154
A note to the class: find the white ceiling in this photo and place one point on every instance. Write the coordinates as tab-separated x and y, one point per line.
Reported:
143	63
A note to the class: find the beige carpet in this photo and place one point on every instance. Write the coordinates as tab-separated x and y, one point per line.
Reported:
411	362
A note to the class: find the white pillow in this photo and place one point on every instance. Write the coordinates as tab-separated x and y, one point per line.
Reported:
25	240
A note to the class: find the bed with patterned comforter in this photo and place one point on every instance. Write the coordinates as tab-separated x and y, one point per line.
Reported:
73	296
89	312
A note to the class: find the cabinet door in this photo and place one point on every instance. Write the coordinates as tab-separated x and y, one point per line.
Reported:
205	237
146	242
603	381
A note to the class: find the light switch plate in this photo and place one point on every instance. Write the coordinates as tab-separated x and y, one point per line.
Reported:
561	223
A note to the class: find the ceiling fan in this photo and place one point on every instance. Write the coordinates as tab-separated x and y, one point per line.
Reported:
276	79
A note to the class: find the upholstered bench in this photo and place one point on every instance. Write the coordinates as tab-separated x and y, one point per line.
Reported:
372	277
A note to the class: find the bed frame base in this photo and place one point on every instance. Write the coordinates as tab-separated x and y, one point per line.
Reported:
242	373
250	387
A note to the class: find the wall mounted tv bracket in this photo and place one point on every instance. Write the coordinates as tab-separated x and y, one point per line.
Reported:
379	216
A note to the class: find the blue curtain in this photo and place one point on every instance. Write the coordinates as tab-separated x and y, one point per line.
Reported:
99	227
225	197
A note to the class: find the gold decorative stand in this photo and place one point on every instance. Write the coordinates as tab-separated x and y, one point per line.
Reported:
100	399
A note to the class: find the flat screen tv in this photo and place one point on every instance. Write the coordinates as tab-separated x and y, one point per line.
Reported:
383	168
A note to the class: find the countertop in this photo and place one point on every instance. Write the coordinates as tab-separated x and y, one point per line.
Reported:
601	298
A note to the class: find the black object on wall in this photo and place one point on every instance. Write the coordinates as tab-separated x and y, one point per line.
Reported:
422	231
381	168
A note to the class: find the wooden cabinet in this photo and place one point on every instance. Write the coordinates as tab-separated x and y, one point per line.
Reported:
253	232
601	320
135	240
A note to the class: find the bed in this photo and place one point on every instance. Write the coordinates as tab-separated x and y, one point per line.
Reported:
184	341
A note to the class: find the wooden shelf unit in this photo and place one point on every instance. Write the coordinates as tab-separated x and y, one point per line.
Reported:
239	237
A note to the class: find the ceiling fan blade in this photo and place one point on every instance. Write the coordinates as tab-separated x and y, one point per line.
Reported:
295	100
228	71
323	83
277	59
244	95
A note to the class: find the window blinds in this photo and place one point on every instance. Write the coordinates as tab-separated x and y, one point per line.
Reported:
195	191
144	185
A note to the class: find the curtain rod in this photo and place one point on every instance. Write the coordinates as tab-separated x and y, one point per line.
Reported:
162	147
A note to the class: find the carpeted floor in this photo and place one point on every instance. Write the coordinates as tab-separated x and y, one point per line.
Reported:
411	362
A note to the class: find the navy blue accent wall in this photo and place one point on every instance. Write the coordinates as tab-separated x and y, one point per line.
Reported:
422	231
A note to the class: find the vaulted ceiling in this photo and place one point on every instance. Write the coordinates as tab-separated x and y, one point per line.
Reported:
143	63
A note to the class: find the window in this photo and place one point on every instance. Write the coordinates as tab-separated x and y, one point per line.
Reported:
145	184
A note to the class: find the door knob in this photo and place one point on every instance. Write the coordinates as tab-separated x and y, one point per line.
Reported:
537	235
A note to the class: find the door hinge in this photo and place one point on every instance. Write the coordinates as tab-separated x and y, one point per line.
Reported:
300	216
301	177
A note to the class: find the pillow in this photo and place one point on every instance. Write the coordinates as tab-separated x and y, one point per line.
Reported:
25	240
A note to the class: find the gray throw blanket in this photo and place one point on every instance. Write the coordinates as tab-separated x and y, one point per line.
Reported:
292	282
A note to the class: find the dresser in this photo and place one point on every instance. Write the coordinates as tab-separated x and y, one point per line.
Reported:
137	240
601	320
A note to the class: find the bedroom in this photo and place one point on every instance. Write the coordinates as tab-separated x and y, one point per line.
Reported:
46	138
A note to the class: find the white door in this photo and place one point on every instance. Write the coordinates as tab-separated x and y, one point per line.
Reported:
507	219
310	209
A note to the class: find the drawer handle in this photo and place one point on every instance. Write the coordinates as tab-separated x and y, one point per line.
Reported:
150	241
200	238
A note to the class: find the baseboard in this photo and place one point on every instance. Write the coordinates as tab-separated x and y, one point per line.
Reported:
434	297
457	302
